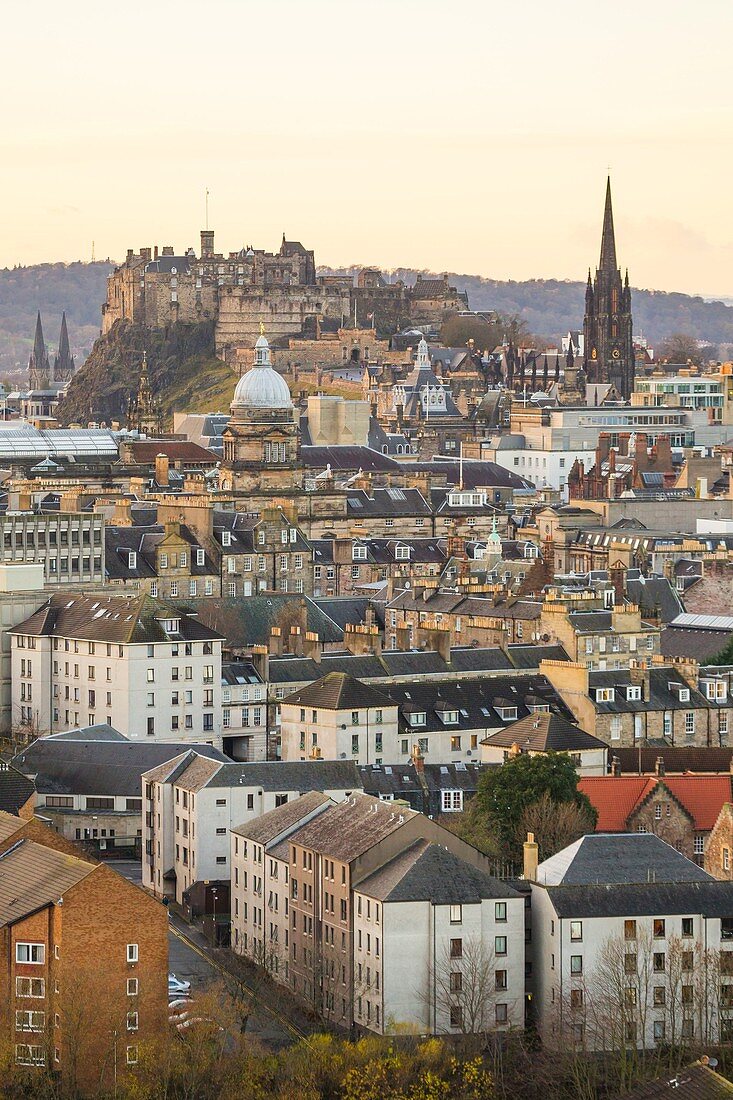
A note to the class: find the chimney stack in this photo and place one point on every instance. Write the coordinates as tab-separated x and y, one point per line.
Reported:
616	767
659	766
418	759
162	466
531	858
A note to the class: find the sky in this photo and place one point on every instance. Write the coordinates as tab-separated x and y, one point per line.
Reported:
472	137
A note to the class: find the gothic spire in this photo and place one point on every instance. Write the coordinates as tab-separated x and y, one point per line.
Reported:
39	346
608	240
63	367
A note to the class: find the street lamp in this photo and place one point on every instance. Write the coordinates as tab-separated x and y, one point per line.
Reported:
216	930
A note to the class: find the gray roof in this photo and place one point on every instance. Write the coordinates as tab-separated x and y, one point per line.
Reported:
290	775
614	858
105	767
711	898
273	824
429	872
15	789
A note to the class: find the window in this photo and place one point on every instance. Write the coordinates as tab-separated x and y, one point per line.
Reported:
132	953
500	911
689	723
132	1056
659	996
630	963
659	928
456	981
34	953
456	949
132	987
456	1016
576	998
456	914
500	979
28	1055
452	801
29	1020
630	929
576	964
500	945
132	1021
30	987
502	1014
687	926
658	962
576	930
658	1030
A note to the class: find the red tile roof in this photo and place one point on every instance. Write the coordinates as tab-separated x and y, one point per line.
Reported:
616	797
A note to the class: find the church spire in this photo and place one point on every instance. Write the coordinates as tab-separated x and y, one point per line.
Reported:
608	240
38	365
63	367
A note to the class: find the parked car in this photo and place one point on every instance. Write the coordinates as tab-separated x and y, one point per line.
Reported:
175	985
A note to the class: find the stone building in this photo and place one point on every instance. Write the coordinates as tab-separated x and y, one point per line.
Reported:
261	440
608	329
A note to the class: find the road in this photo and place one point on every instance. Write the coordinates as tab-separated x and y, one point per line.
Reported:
191	958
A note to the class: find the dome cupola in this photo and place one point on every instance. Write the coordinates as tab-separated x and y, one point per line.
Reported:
261	387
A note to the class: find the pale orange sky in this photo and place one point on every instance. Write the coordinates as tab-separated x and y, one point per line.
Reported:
472	137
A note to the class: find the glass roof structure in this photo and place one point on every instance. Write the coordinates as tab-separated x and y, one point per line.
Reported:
24	442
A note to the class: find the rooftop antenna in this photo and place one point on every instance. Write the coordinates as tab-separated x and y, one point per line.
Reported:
92	251
206	203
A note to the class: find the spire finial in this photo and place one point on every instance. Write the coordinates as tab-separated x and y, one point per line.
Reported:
608	238
262	328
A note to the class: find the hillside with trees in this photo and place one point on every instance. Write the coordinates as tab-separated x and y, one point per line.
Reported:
78	288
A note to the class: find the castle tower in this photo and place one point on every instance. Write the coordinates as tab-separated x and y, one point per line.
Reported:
39	367
262	439
609	345
63	364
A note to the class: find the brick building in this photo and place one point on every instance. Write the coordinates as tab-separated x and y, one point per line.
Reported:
59	916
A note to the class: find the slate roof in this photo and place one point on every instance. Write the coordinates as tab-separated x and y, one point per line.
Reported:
247	620
661	696
654	594
274	775
338	691
616	797
90	767
695	1082
33	876
399	779
703	645
118	619
347	830
676	760
542	732
15	789
273	824
708	897
614	858
429	872
144	452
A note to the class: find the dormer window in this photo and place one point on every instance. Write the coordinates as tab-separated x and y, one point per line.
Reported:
633	692
402	553
683	693
507	714
283	536
260	538
417	718
226	538
605	695
359	553
200	557
449	717
132	560
171	626
538	708
716	689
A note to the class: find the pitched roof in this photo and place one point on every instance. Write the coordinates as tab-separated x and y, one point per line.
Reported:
118	619
33	876
273	824
9	824
616	797
108	768
609	858
543	732
338	691
706	896
349	829
429	872
15	788
695	1082
271	775
676	760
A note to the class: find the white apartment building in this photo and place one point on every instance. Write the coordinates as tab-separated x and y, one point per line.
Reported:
632	945
244	714
687	391
140	665
192	803
546	468
339	717
452	954
380	920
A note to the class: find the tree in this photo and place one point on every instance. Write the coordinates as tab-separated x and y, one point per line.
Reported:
465	988
680	348
505	793
555	825
456	331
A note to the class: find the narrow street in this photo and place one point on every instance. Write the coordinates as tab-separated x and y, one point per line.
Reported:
277	1021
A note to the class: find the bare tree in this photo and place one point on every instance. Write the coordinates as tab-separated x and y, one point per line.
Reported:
554	824
465	988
